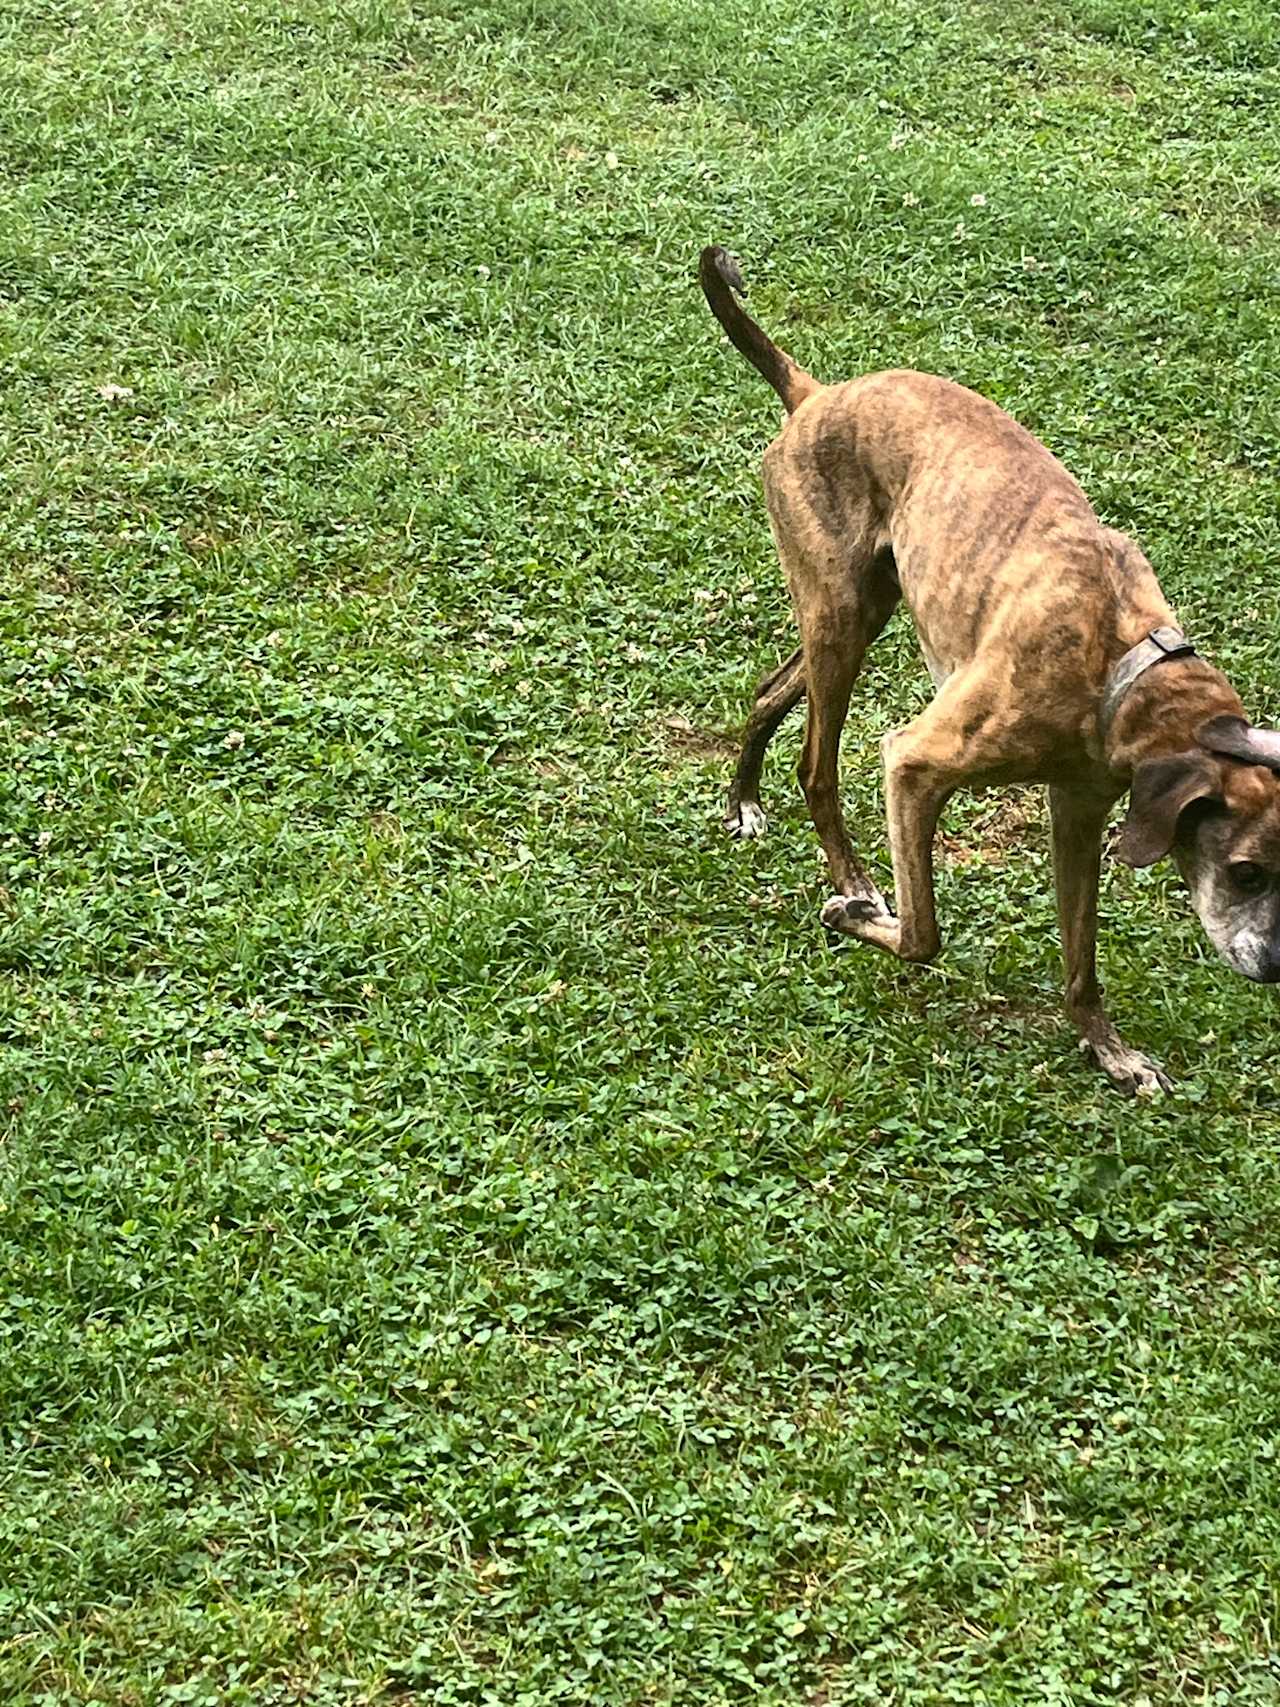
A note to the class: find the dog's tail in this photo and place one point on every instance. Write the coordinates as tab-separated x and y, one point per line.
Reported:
719	276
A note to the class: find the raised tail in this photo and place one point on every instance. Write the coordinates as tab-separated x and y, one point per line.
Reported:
719	276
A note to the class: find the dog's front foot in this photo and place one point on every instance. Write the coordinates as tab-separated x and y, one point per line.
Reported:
865	916
1130	1071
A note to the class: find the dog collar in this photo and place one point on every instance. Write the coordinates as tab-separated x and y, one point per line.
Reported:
1160	644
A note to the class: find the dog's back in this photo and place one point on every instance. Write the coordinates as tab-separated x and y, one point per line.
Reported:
990	535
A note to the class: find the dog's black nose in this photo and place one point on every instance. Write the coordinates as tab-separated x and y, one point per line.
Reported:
1270	973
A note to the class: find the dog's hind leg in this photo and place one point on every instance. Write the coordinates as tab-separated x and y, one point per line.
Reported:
776	695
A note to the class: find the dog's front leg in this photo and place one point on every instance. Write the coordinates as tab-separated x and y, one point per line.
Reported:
1078	823
915	792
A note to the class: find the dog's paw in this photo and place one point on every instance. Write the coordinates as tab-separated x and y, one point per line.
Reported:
746	821
852	914
1135	1074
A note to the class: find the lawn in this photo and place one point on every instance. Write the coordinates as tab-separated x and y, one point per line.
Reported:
466	1237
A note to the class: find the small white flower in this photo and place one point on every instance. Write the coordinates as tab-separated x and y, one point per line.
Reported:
43	840
898	140
491	136
113	393
910	200
978	201
233	739
482	272
611	161
961	230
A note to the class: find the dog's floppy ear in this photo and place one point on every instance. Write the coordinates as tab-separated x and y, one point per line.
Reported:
1160	793
1236	739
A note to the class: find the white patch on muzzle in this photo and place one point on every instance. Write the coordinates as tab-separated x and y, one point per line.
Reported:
1243	947
1248	954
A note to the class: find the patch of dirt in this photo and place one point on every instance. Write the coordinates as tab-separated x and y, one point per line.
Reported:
544	767
704	744
1009	821
989	1018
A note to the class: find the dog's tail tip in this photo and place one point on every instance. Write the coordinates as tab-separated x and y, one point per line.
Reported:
719	260
722	284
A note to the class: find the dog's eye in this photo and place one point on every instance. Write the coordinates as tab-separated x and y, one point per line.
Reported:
1248	878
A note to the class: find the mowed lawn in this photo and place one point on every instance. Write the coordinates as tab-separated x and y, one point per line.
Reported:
465	1238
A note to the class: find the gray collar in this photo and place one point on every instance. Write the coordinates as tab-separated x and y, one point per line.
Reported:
1160	644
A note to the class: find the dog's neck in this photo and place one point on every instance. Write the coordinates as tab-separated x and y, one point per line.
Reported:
1161	711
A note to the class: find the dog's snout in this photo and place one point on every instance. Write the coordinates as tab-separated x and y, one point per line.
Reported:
1263	965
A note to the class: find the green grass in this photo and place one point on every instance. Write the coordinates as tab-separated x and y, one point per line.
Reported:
465	1236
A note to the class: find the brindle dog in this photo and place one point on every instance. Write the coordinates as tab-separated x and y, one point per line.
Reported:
1054	654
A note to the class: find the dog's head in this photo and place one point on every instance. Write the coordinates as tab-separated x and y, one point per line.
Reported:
1216	808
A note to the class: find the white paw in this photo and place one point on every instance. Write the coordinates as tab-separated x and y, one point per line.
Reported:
851	913
746	821
1131	1072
